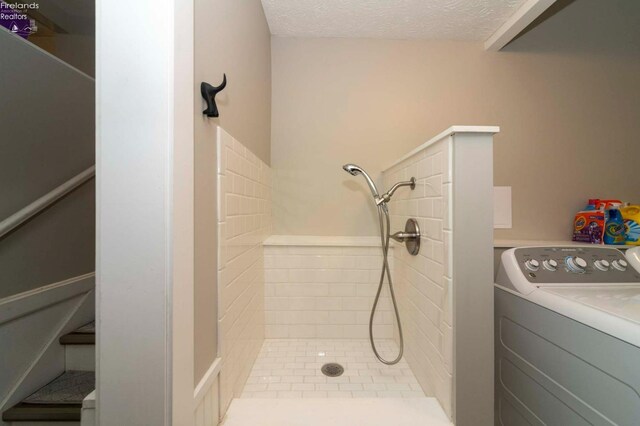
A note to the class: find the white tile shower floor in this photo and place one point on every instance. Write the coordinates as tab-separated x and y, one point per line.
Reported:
290	368
287	388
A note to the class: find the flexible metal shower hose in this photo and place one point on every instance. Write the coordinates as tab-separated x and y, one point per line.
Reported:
384	239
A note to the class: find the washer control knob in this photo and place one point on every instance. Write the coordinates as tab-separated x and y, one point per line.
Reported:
550	265
576	264
532	264
620	265
602	265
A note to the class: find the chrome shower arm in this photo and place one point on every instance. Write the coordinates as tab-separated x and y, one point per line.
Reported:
386	197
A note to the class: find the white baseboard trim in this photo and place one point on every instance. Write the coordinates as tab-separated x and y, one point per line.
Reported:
88	416
207	380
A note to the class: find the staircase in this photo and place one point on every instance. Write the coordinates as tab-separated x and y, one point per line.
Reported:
59	403
47	219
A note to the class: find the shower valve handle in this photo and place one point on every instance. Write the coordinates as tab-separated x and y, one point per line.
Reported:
410	237
402	236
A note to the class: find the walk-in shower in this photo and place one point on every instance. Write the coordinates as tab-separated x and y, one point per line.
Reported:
295	311
411	236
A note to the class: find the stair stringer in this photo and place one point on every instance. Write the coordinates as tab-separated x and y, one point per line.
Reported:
62	308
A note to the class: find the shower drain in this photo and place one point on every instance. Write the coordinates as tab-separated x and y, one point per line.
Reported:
332	369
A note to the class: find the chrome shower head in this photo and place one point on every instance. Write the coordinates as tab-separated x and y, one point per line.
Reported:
354	170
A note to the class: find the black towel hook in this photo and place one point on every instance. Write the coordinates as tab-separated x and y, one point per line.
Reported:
209	93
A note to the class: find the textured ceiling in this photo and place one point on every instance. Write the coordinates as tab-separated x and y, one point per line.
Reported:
397	19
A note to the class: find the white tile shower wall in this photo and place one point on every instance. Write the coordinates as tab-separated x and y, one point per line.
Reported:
244	222
424	282
324	292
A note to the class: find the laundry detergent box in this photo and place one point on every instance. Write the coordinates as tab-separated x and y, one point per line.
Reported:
631	217
588	226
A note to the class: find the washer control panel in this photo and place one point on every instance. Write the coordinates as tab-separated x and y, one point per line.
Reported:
575	265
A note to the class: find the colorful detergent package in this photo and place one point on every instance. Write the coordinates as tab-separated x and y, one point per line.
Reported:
607	222
631	217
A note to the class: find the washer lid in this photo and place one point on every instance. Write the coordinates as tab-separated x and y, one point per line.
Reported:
611	310
623	302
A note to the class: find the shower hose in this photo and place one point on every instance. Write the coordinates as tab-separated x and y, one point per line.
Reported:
383	216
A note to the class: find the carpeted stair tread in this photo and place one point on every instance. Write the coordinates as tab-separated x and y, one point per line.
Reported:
85	335
59	400
69	388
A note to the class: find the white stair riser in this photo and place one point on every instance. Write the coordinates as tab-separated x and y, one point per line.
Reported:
80	357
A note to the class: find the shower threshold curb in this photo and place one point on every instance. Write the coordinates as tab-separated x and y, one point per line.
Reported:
425	411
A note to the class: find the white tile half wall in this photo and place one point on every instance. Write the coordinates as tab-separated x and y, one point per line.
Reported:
244	222
323	287
423	282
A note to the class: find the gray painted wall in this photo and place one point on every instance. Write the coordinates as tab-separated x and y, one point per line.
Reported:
564	108
231	37
47	137
55	245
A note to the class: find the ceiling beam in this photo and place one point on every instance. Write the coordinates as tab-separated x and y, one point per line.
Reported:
527	13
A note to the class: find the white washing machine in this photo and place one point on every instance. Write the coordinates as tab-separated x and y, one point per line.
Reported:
567	337
633	257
